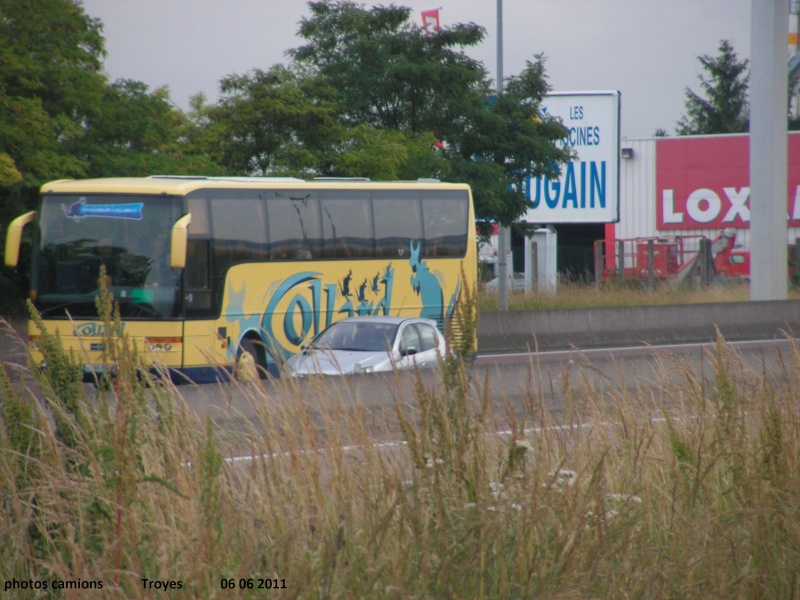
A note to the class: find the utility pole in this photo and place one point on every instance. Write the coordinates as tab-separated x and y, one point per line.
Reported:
768	150
503	233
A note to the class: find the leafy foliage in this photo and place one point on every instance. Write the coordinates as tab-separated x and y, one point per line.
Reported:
724	109
505	138
51	53
273	122
136	132
387	72
61	118
391	76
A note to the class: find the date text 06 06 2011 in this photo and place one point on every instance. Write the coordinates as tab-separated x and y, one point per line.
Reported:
251	583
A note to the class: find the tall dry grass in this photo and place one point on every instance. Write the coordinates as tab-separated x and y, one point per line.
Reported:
682	485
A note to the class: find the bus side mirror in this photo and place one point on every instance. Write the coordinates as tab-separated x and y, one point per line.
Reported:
14	237
180	235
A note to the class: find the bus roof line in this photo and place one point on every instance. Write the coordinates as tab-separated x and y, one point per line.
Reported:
346	179
256	179
231	179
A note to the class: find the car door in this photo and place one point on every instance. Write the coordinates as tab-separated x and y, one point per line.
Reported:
428	344
417	346
409	346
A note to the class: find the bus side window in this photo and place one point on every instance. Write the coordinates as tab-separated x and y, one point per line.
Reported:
294	228
238	223
347	224
398	221
445	219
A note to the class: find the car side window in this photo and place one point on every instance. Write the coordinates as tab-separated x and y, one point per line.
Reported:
409	343
427	337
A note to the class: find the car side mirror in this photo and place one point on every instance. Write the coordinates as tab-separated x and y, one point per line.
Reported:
408	351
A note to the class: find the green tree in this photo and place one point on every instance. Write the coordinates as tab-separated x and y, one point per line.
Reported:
291	121
51	55
9	174
193	144
503	139
50	80
60	118
791	101
134	132
390	76
388	73
274	122
724	109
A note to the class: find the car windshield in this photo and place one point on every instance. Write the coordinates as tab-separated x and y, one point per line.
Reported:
127	235
357	337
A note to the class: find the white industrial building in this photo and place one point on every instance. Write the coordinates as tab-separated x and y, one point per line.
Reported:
670	188
641	198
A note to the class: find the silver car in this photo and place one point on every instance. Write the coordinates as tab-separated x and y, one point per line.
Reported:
370	344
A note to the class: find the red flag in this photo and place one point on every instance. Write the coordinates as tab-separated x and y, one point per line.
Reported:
430	20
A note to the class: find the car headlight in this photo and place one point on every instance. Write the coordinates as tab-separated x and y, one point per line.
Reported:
359	368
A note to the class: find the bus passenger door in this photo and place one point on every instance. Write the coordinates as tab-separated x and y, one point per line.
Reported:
205	348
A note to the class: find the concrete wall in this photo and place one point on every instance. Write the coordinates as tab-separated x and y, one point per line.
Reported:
630	326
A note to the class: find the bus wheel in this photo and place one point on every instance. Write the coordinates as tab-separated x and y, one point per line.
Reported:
250	362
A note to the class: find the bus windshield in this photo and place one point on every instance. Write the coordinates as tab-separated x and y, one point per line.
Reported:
127	234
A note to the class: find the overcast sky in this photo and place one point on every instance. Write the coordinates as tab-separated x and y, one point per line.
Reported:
646	49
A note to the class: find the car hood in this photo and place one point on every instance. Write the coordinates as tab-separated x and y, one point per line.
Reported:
338	362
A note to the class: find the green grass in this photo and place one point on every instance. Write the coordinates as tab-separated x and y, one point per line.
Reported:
675	486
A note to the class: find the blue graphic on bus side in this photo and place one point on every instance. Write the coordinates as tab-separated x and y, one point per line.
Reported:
80	210
93	329
312	303
427	286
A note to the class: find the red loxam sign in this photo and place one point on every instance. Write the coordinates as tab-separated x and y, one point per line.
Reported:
704	182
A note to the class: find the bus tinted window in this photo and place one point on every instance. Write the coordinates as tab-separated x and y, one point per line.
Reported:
197	274
398	219
198	207
445	217
240	220
198	279
125	234
347	225
294	228
239	231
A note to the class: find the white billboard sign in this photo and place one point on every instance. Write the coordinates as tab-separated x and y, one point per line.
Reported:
587	190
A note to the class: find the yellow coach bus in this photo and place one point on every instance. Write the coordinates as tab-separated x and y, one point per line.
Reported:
205	268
